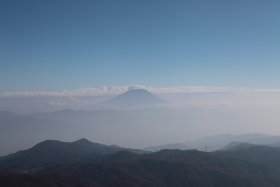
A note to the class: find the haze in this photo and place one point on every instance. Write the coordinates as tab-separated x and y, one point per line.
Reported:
206	67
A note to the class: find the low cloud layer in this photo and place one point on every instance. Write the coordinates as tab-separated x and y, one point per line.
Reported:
115	90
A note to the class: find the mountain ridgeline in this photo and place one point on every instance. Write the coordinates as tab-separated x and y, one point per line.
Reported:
52	152
86	164
135	98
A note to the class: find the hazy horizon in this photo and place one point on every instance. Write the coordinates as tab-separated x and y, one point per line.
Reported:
188	113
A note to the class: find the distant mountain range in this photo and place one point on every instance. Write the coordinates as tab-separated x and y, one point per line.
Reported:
224	141
139	119
140	124
86	164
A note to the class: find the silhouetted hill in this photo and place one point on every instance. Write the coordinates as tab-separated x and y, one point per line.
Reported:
251	166
52	152
167	146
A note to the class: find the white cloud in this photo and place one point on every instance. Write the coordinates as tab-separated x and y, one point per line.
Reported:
100	91
193	89
115	90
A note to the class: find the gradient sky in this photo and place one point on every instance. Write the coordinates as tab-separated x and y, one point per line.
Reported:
66	44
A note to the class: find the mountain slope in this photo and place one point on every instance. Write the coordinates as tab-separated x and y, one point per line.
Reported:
84	163
258	154
237	146
52	152
135	98
161	169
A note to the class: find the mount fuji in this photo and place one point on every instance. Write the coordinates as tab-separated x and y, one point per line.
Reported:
136	98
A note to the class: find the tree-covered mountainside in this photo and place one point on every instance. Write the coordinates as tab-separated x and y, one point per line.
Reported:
84	163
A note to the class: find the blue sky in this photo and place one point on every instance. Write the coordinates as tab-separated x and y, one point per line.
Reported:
54	45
